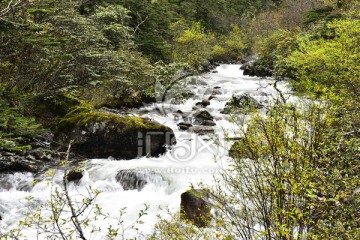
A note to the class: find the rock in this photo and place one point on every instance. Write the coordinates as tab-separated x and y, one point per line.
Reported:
184	126
208	123
241	102
245	100
211	97
203	103
97	134
202	116
201	130
137	179
217	87
19	164
256	69
177	115
195	207
74	175
214	71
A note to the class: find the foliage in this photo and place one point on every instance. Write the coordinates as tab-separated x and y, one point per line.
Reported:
15	129
293	175
230	46
68	215
333	64
173	227
191	44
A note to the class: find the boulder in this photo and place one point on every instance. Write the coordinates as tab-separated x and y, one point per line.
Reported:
244	101
241	102
195	207
15	163
74	175
184	126
132	179
208	123
202	116
203	103
101	134
256	69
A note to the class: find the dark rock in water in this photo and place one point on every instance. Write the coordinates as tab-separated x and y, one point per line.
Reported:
241	102
203	103
211	97
99	134
136	179
195	207
201	130
245	100
217	87
19	164
74	175
256	69
214	71
177	115
208	123
202	116
184	126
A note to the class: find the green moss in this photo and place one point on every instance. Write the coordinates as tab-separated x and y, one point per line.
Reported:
49	108
82	115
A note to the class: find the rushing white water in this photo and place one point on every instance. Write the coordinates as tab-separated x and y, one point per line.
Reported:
192	160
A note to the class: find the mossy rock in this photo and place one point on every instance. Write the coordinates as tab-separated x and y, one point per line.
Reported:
103	134
196	207
74	175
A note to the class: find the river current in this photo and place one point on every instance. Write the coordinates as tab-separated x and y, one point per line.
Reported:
195	158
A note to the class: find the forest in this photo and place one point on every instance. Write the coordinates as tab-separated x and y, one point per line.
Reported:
63	62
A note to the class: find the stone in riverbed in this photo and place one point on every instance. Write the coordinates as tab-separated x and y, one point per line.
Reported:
102	134
184	126
241	102
196	207
132	179
74	175
203	103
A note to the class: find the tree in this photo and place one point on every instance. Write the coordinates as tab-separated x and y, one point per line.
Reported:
292	175
191	44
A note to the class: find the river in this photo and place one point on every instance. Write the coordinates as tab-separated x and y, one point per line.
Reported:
195	158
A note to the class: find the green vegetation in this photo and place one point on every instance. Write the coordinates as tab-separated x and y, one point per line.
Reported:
293	175
81	115
16	130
